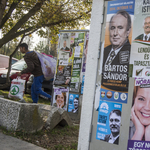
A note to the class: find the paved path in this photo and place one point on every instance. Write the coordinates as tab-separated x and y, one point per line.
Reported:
11	143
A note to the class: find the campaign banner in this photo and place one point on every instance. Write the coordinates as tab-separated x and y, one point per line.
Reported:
116	52
63	58
73	103
140	50
75	78
63	75
139	129
60	97
82	85
109	121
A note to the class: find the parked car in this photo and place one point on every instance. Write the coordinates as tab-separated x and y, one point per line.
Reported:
18	67
4	61
15	69
47	86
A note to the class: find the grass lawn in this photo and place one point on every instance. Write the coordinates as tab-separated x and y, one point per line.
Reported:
27	98
60	138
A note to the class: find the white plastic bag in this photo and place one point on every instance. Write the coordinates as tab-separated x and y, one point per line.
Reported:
17	88
48	65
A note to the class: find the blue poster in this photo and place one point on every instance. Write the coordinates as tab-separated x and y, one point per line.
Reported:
82	86
109	121
114	6
73	103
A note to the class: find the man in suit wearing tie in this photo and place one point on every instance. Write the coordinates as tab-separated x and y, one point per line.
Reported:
65	48
146	27
114	124
116	55
75	102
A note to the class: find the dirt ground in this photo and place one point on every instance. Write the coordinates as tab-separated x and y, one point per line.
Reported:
60	138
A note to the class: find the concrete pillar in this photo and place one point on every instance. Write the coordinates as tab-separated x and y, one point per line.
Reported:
90	76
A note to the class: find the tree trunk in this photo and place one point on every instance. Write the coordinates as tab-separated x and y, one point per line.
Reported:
8	83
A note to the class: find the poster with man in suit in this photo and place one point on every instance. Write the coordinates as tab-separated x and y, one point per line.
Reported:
145	36
114	84
109	122
140	49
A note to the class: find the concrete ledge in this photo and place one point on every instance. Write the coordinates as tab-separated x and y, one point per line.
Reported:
30	117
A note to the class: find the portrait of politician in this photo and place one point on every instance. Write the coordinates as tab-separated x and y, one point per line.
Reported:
117	55
114	124
119	29
65	48
146	26
75	102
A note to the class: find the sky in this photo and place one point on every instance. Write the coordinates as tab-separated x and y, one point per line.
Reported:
37	39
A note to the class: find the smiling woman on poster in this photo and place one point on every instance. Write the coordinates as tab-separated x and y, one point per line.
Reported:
140	114
61	101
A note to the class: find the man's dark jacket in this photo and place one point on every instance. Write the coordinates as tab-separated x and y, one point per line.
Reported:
117	59
33	64
122	58
66	48
140	37
107	139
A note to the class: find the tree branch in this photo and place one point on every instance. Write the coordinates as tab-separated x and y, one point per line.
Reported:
26	17
2	9
10	58
6	17
9	37
7	84
63	20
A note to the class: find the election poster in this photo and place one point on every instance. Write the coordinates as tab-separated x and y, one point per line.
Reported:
63	58
139	129
69	60
60	98
79	44
109	121
82	85
116	52
85	52
63	75
140	49
65	42
73	103
75	87
75	78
